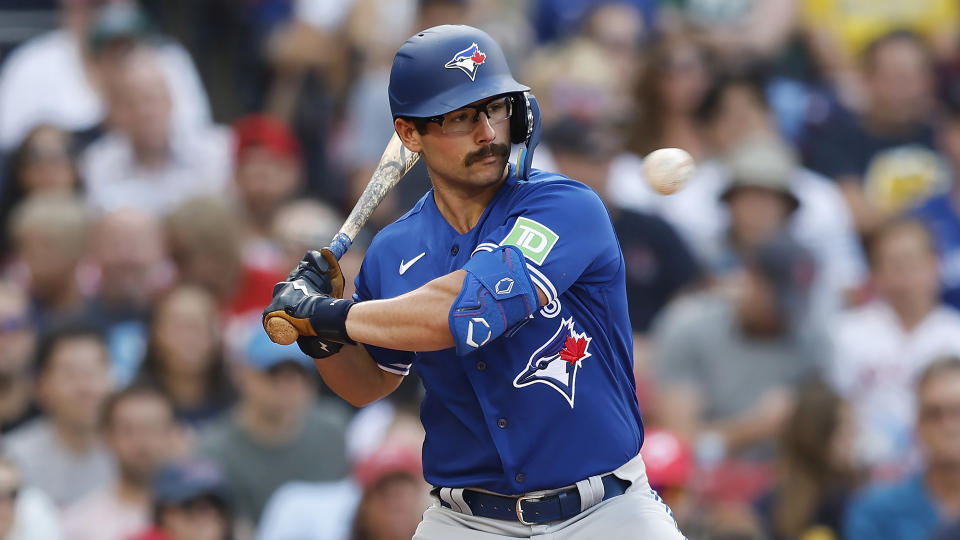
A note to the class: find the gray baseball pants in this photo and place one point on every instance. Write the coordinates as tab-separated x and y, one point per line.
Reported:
637	514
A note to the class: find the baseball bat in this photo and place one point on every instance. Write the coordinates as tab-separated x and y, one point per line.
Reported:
394	163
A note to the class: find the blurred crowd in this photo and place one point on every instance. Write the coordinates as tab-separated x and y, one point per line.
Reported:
164	162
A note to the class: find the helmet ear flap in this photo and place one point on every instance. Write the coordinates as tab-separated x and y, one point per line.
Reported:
530	130
521	121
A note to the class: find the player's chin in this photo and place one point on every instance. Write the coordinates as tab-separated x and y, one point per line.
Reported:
492	166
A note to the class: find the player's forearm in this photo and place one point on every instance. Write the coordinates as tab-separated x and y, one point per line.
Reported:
415	321
353	375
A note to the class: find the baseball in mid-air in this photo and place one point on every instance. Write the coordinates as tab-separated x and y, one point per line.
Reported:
668	169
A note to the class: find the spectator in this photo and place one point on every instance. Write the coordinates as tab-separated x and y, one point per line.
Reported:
618	27
207	247
312	60
676	75
883	157
139	428
837	33
711	347
18	339
368	124
278	432
184	355
759	200
26	513
62	60
734	30
394	496
384	436
818	468
142	161
43	162
62	453
558	20
303	224
190	502
881	346
926	501
291	511
267	174
128	249
50	239
735	119
940	211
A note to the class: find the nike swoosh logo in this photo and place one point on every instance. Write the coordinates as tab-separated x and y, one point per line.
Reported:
406	265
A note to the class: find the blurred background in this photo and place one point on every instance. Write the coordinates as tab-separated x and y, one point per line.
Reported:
164	163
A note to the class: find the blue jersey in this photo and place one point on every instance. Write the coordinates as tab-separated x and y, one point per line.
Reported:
555	402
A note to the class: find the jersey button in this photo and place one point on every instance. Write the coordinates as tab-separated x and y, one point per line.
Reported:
481	365
454	250
520	478
502	423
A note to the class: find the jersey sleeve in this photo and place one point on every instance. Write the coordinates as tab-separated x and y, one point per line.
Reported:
564	231
398	362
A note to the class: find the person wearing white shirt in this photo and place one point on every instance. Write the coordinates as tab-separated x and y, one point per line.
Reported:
54	78
735	111
145	162
881	347
139	427
26	513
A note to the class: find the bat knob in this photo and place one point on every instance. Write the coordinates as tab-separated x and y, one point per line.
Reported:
280	330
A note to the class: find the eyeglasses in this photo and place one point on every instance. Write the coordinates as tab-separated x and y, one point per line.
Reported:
463	120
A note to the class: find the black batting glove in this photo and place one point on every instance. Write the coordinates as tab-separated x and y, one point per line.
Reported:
315	347
315	270
326	316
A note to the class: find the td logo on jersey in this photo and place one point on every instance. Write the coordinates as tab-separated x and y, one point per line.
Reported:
533	238
557	361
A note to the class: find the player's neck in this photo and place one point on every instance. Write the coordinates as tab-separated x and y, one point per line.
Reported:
462	205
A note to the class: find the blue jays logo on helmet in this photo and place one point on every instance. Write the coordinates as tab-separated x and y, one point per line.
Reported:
427	76
468	61
556	362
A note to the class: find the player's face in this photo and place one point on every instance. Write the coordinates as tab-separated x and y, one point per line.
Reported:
467	153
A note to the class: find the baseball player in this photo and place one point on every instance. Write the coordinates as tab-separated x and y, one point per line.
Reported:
505	286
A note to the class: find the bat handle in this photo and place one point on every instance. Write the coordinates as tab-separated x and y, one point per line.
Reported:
340	244
281	331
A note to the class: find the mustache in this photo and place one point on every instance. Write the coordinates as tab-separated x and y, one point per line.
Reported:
500	150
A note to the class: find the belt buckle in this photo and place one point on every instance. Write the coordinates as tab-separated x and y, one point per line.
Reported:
519	509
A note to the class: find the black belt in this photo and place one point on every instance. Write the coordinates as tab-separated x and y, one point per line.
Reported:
532	509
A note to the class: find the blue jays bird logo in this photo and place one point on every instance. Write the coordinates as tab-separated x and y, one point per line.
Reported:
467	60
556	362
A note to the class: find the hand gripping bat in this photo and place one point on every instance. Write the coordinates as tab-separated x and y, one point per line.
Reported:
394	164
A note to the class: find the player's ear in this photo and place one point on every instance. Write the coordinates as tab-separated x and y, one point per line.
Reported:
408	133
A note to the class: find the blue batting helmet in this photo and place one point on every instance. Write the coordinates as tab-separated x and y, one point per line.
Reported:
446	67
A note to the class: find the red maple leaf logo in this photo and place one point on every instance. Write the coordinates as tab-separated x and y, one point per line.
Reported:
478	57
573	349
